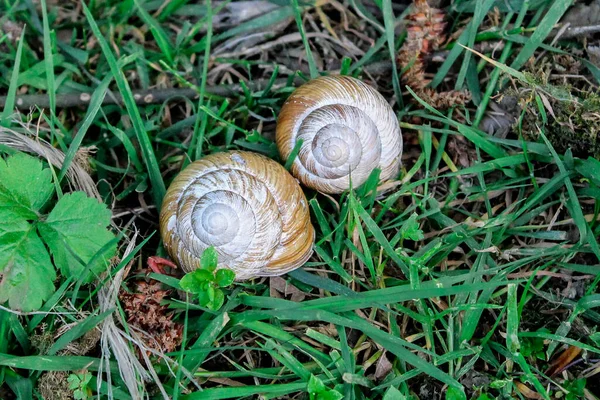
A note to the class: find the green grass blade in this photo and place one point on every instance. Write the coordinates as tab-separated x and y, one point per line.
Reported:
198	138
93	108
77	331
210	333
456	51
162	40
312	65
49	61
389	24
9	105
555	12
158	185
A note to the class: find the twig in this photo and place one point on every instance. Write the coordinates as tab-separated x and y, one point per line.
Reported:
575	31
23	314
68	100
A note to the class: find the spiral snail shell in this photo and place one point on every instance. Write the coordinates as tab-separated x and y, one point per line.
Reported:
347	130
245	205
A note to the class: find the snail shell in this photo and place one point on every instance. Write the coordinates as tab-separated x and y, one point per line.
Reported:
245	205
347	129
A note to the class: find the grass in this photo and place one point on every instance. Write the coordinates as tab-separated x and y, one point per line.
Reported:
474	274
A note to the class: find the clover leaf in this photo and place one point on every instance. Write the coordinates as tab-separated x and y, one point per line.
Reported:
206	282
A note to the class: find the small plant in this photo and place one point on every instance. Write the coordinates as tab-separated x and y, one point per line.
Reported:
318	391
74	231
534	347
575	389
206	282
79	384
410	229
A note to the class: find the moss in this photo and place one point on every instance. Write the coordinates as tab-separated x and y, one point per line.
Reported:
572	113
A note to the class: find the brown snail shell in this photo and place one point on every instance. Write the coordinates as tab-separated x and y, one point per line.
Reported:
348	129
245	205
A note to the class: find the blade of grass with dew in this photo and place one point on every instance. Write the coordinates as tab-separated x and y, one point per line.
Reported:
9	104
312	65
555	12
158	185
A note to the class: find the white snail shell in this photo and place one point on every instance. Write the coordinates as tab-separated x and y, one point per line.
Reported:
347	128
245	205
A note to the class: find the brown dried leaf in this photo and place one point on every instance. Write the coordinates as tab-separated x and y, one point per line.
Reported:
279	285
525	391
563	360
384	366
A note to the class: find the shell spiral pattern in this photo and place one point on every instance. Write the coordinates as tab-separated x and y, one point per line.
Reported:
245	205
347	130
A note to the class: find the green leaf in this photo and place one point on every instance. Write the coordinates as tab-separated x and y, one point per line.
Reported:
192	281
455	394
75	231
218	300
27	272
74	381
209	259
410	229
315	386
158	185
224	277
318	391
393	394
9	105
160	36
25	186
203	296
541	32
210	292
